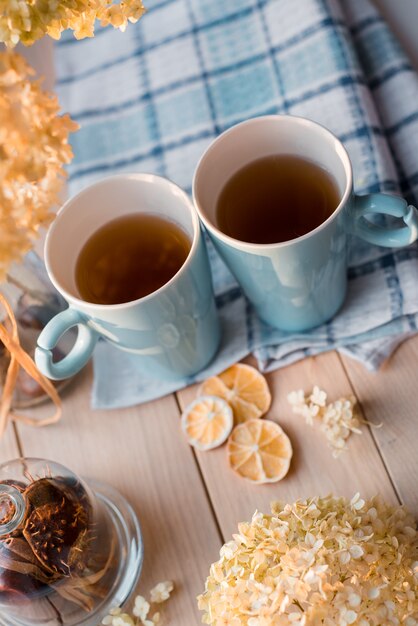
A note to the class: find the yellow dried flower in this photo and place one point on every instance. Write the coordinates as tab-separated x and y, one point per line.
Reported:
338	419
29	20
161	592
327	561
141	610
33	149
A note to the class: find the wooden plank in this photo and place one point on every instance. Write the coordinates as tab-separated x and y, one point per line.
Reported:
390	397
313	470
8	445
141	452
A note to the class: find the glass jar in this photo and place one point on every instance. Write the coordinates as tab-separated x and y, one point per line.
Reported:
69	551
34	301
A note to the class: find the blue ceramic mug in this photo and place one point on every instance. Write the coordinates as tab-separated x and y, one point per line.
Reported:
174	330
298	284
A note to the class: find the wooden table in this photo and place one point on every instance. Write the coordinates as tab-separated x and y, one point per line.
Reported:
189	503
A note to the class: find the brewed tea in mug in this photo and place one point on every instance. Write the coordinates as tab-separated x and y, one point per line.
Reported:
129	258
276	198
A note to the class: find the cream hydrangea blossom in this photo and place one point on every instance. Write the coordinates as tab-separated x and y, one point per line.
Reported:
318	397
338	419
142	608
29	20
161	592
325	561
34	147
117	618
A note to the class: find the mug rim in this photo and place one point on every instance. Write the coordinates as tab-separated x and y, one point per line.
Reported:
141	177
299	120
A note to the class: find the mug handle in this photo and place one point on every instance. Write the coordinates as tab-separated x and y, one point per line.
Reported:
79	354
375	203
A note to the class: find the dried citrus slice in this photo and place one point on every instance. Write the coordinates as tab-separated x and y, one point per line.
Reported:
207	422
244	388
260	451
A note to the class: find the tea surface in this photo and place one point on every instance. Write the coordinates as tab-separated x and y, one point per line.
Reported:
129	258
276	198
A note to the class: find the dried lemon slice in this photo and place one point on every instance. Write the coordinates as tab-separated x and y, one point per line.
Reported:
244	388
260	451
207	422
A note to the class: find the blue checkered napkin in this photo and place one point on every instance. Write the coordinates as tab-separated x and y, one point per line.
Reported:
153	98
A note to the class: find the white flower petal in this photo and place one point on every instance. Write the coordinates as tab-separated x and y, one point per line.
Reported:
354	599
161	592
356	551
373	593
350	617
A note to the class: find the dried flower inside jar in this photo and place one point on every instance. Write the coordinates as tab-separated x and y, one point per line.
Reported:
48	545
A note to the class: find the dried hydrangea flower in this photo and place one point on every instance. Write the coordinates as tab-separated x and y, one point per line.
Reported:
141	608
318	397
29	20
33	150
141	611
296	398
305	406
117	618
161	592
123	620
338	419
326	561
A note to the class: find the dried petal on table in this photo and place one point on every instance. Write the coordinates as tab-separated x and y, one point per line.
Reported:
338	419
161	592
142	608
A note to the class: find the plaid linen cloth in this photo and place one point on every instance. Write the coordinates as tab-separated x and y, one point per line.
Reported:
153	98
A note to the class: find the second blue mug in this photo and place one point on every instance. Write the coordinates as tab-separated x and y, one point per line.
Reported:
295	285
